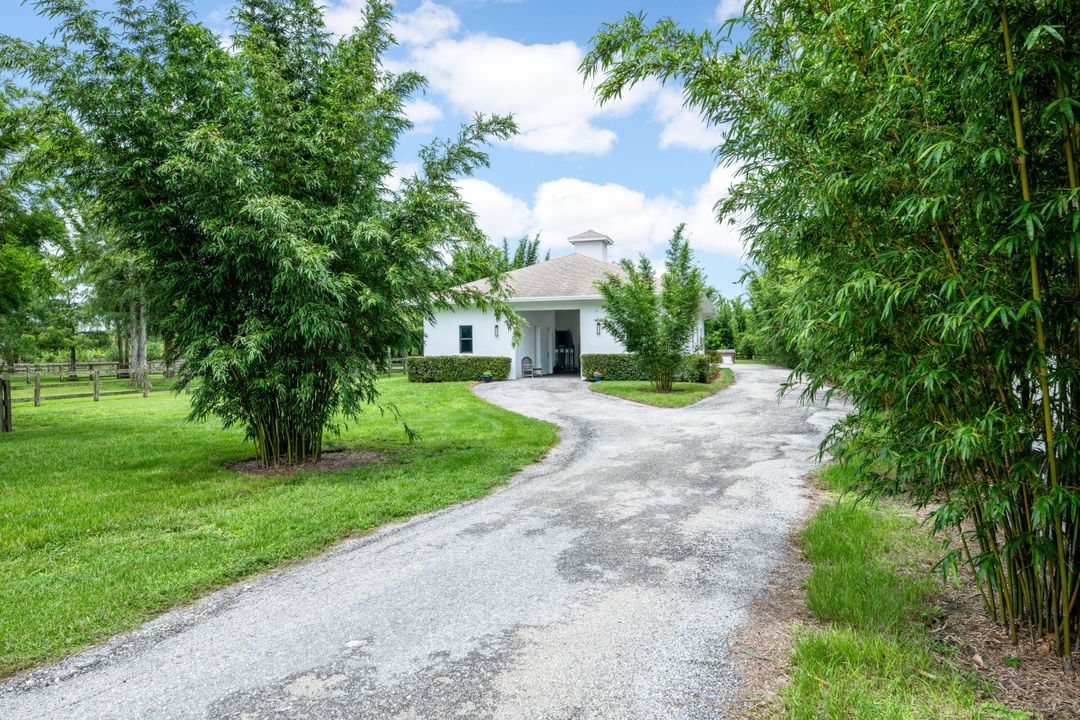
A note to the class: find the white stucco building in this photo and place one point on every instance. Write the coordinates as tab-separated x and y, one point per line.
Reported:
560	307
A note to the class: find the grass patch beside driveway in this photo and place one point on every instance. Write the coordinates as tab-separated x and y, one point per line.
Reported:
873	656
112	512
683	394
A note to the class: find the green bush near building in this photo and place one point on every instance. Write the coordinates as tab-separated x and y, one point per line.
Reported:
456	368
625	366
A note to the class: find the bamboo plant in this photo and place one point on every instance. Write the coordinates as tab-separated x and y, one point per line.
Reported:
909	169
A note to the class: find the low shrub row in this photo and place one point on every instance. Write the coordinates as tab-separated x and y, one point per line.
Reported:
697	368
456	368
612	366
625	366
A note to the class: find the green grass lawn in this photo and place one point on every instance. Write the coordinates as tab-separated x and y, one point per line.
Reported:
112	512
683	394
874	658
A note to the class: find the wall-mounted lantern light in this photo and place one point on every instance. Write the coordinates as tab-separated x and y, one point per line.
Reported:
496	329
597	328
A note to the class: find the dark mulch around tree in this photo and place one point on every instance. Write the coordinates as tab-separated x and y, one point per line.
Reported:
1028	676
329	461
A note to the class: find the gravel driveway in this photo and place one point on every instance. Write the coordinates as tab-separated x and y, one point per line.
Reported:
603	582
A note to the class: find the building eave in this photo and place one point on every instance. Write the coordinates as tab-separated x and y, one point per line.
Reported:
554	298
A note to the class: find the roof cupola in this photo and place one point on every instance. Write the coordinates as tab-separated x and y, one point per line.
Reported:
592	244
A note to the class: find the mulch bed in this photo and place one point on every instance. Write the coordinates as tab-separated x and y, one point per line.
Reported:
762	648
1039	685
329	461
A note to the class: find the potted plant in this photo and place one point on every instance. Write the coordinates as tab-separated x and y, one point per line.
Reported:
487	376
596	376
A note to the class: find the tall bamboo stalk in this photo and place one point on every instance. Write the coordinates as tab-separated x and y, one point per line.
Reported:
1036	294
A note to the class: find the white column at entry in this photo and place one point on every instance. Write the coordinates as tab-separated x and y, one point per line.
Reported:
551	350
539	358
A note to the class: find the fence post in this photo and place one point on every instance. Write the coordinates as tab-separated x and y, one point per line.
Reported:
96	375
37	389
5	405
146	384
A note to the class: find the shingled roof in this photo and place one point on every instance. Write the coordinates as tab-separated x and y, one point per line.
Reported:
574	275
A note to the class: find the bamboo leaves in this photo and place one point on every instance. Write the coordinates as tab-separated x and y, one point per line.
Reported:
255	182
910	170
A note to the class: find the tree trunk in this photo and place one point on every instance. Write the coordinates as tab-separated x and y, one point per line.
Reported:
144	366
133	342
137	364
278	441
119	342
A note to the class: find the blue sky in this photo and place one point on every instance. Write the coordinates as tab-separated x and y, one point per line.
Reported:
632	170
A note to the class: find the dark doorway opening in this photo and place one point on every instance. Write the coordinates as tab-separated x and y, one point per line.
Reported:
566	355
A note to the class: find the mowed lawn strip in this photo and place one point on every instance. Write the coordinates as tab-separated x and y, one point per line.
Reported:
874	657
112	512
683	393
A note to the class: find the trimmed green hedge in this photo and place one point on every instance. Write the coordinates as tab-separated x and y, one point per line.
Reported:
456	368
624	366
612	366
697	368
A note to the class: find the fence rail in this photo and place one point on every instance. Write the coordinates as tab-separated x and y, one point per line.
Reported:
39	382
42	389
74	371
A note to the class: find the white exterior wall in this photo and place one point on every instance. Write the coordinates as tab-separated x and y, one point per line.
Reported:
591	342
441	337
697	340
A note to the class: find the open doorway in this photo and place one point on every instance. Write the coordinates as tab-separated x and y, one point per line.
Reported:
550	341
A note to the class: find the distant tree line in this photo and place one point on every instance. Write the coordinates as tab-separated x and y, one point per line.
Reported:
752	324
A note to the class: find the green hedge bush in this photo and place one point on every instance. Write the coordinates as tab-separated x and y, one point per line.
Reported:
612	366
696	368
456	368
624	366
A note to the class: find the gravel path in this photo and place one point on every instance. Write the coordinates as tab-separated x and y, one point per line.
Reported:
603	582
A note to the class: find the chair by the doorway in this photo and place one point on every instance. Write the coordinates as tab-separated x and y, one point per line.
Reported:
527	368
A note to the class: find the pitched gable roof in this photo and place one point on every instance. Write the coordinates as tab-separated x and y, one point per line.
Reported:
591	235
572	275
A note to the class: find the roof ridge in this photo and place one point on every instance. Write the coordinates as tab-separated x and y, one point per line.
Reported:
571	275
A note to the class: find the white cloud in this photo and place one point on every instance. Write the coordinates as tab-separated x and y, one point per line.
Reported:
540	84
728	9
341	16
499	214
401	172
425	24
684	127
638	223
423	114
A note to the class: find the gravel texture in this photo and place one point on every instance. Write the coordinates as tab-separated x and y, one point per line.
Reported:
603	582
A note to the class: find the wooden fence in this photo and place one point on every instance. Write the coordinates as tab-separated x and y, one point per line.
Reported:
44	382
39	390
5	405
70	371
